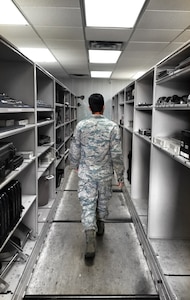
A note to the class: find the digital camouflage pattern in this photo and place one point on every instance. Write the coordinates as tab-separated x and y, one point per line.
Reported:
96	149
95	152
94	196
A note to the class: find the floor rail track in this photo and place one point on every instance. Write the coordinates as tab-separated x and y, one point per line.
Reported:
59	297
164	290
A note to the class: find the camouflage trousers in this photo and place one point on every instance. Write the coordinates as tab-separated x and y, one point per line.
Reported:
94	197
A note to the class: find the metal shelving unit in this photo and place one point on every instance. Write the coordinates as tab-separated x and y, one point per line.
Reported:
159	186
35	90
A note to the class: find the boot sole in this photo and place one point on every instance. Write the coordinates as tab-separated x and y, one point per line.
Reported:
89	255
100	233
100	228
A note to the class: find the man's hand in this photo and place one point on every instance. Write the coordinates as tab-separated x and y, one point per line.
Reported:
120	185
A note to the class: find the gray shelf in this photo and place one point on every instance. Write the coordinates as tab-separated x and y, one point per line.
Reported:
159	185
32	83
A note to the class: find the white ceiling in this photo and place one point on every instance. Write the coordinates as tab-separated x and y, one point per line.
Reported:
59	25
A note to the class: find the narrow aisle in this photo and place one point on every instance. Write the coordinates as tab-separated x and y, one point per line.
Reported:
119	268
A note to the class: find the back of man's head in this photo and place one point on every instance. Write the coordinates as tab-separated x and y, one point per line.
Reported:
96	103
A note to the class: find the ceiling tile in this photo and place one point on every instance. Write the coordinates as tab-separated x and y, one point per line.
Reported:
164	20
51	16
102	67
112	35
66	45
155	35
127	73
66	33
48	3
28	43
168	50
183	37
138	57
56	70
21	36
143	47
169	5
70	57
132	61
81	70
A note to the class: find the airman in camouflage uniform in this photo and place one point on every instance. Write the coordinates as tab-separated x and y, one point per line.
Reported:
96	152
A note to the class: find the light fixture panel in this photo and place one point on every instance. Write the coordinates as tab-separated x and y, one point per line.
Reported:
10	15
112	13
100	74
38	54
104	56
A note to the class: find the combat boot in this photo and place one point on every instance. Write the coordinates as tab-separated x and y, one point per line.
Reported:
90	243
100	225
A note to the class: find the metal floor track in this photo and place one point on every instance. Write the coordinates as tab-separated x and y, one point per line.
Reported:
119	269
129	297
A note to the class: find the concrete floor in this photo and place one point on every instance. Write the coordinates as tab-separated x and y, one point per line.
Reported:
174	256
119	268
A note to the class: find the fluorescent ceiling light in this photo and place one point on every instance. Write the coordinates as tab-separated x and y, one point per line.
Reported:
112	13
10	15
38	54
100	74
104	56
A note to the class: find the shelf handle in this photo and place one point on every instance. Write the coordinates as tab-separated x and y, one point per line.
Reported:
49	177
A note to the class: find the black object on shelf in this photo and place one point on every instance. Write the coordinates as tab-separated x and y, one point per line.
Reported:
9	161
59	175
21	234
130	166
7	154
144	104
172	100
43	190
145	131
43	139
185	144
17	161
10	208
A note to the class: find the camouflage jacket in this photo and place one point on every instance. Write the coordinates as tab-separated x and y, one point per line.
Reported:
95	149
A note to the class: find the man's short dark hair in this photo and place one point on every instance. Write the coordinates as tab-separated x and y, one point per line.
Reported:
96	103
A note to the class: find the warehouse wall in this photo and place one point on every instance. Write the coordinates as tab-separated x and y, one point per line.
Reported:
86	87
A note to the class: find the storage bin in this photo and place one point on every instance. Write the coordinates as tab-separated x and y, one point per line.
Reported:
44	189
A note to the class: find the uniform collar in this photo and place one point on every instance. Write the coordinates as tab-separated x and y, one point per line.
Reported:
97	116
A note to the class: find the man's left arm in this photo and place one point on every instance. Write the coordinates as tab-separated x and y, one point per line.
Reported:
75	150
116	154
